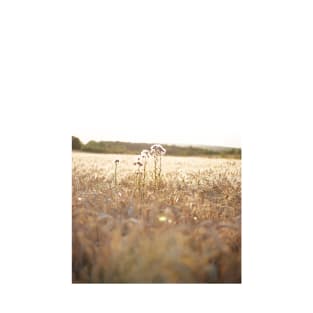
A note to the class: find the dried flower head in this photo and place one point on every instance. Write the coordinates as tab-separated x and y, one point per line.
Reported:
117	161
157	149
145	154
138	161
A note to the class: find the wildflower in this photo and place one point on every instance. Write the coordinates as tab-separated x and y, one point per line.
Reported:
139	161
145	154
138	173
157	149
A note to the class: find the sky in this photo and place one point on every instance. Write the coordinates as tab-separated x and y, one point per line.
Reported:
157	123
167	76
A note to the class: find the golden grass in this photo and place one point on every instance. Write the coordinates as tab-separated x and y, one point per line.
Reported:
187	231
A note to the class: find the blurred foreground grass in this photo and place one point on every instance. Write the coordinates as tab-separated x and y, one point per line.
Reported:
187	231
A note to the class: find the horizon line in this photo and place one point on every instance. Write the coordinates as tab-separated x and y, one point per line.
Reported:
164	143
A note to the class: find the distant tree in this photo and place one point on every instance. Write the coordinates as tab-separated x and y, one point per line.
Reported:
76	143
93	146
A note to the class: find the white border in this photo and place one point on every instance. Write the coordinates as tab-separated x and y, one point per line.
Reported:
47	62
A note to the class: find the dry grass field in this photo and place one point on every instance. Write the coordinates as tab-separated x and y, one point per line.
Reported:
180	224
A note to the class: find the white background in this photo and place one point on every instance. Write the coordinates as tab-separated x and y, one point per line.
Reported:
64	63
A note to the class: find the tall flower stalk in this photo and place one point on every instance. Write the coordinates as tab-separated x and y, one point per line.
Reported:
138	174
145	155
157	151
115	172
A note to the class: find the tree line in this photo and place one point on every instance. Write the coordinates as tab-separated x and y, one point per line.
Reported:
133	148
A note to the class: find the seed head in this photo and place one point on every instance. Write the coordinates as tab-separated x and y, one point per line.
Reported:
145	154
157	149
138	161
117	161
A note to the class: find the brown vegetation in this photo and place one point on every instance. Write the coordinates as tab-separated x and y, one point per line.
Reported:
188	230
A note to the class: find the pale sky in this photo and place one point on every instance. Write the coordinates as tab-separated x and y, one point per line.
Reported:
167	76
157	123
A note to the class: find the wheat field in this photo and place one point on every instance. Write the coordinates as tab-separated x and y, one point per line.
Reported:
128	227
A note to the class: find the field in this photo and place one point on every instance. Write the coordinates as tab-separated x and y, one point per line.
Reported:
179	222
